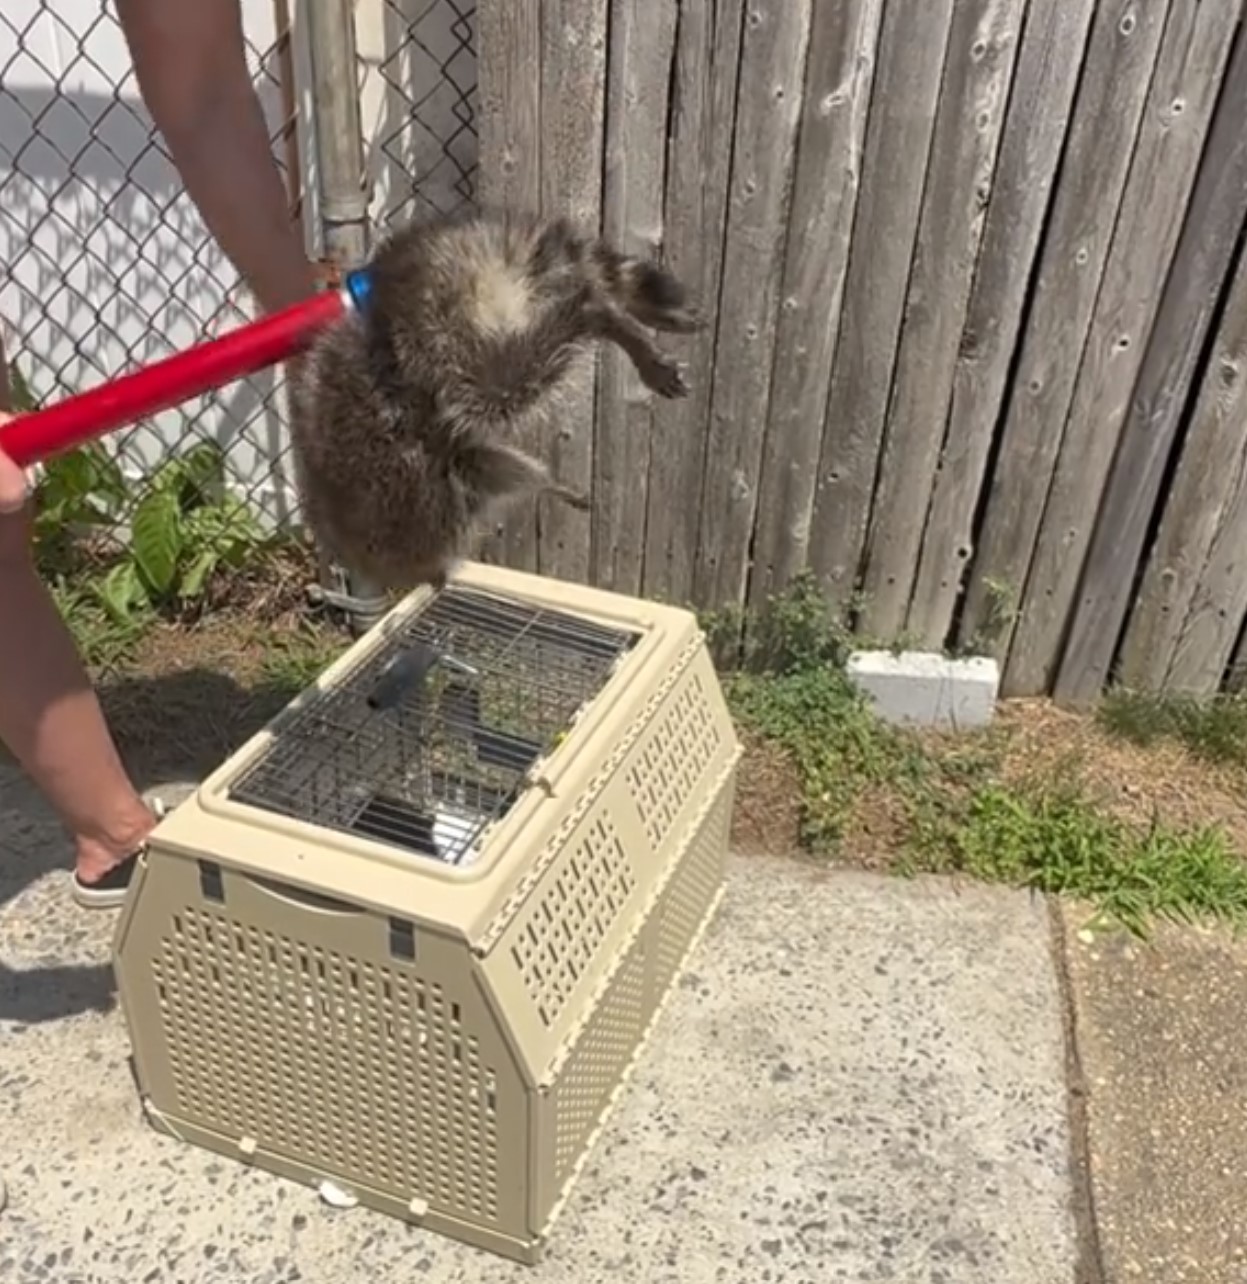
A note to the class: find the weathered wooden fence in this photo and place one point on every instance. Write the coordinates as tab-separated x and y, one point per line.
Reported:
978	301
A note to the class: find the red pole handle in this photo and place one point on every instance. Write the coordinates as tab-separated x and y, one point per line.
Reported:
41	434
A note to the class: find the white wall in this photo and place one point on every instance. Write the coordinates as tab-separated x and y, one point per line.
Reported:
105	262
411	103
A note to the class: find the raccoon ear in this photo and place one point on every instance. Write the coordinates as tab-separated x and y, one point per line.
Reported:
499	471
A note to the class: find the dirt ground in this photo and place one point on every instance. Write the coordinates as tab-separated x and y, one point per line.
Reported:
1163	782
190	695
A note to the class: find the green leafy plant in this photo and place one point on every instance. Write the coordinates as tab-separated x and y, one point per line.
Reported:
80	500
797	630
185	528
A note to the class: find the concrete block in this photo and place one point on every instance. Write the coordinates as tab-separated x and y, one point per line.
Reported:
917	688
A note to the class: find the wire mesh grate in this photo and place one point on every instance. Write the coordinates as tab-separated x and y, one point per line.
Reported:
432	739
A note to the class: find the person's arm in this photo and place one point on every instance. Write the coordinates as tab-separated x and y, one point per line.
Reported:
189	59
14	492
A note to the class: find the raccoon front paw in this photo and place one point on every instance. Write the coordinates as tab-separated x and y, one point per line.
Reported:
678	320
665	379
575	498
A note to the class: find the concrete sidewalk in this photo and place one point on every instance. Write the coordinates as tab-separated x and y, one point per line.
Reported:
860	1079
1161	1037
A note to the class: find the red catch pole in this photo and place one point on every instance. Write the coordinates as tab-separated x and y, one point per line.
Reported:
41	434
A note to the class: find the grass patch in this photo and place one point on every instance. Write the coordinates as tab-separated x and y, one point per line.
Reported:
1052	839
295	658
104	640
787	684
960	810
1214	729
837	745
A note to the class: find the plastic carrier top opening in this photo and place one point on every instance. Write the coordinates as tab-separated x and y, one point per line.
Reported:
430	740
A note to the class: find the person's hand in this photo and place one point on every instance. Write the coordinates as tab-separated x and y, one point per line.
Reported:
14	488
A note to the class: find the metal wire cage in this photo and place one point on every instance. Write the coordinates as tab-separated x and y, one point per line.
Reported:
430	741
413	936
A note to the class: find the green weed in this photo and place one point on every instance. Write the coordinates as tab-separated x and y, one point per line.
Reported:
960	815
837	745
294	659
184	528
1214	729
789	686
1052	839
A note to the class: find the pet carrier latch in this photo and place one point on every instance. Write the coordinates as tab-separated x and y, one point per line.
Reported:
211	883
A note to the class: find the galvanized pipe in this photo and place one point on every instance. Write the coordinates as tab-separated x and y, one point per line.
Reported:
343	197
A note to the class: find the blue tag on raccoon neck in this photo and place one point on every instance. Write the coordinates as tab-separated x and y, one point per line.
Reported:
359	287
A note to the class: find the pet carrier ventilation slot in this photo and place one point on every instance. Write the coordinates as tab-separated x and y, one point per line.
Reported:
410	938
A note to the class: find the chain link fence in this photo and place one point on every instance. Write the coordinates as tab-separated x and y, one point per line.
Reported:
418	95
108	266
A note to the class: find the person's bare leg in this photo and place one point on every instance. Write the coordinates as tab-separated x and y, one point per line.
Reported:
51	719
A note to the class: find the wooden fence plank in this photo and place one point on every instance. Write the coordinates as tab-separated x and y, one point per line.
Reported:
1184	91
843	45
773	60
1206	486
1120	58
703	116
1236	676
642	45
573	119
1051	56
898	135
1203	259
509	133
978	70
1215	622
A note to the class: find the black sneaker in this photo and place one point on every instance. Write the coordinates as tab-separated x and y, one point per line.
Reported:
110	891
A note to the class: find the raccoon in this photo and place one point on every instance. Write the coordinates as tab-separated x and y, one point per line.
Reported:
412	417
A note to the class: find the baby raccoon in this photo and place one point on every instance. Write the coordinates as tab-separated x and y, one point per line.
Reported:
411	418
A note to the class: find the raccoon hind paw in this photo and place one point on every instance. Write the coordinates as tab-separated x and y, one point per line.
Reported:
658	298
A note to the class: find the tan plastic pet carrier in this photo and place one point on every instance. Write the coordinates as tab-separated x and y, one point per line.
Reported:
406	944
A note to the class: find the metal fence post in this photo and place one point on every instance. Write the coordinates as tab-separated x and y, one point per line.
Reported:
343	198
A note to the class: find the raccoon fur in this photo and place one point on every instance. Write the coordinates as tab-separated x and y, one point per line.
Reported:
413	418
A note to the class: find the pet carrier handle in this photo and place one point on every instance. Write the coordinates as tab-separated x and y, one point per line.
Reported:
301	897
41	434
